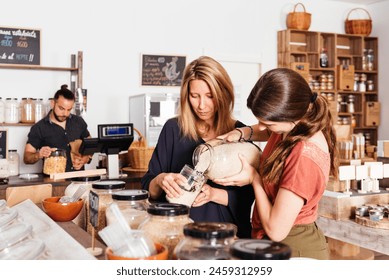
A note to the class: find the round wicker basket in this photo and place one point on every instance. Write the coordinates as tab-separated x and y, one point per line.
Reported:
298	20
358	26
139	154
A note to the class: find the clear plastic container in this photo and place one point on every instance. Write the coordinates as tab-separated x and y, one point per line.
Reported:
259	249
13	162
30	249
133	204
28	110
206	241
165	224
14	234
55	163
218	158
7	217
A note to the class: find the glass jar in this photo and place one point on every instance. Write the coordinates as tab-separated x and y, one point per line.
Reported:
55	163
350	104
259	249
323	58
2	110
165	224
133	205
49	105
13	162
191	188
218	158
27	110
12	110
206	241
364	60
101	197
362	86
370	85
40	111
76	183
370	60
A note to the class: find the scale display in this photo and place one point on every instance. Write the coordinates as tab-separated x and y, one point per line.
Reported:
115	130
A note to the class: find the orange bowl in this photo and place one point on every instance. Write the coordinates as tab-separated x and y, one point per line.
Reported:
61	212
162	254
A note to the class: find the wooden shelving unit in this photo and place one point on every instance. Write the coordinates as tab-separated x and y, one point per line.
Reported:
298	46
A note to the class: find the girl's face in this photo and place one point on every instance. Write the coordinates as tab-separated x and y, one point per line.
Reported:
201	100
276	127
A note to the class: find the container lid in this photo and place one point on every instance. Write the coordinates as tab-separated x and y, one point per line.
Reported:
167	209
210	230
30	249
7	216
86	179
58	152
109	185
258	249
131	195
13	234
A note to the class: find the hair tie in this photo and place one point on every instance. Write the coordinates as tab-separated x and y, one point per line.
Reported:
313	97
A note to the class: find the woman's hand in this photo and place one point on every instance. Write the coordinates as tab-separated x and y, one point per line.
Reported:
244	177
233	135
170	184
204	196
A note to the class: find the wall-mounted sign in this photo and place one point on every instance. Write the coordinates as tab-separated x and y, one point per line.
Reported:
162	70
20	46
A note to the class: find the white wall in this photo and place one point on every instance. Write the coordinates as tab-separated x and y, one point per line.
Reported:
113	34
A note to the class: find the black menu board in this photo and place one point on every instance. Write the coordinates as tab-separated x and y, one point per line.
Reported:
162	70
20	46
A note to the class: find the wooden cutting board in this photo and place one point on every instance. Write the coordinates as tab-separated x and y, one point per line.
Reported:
82	173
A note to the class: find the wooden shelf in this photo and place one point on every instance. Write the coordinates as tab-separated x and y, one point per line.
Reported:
16	124
36	67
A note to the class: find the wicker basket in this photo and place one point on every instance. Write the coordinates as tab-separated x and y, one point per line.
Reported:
139	154
298	20
358	26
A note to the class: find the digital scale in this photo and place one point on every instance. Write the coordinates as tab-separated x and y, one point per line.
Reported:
111	140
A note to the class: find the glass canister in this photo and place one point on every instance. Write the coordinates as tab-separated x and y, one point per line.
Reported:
165	224
49	105
40	110
55	163
259	249
12	110
206	241
76	183
2	110
13	162
100	197
192	186
133	204
28	110
218	158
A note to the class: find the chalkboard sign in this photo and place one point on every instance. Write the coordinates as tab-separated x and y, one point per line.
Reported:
20	46
3	144
162	70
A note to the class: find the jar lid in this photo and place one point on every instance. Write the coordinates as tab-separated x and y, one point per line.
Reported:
210	230
131	195
13	234
7	216
86	179
168	209
259	249
30	249
109	185
58	152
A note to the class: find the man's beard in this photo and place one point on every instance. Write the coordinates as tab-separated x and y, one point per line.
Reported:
59	118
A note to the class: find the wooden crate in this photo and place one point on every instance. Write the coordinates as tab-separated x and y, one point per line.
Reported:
346	77
302	68
343	208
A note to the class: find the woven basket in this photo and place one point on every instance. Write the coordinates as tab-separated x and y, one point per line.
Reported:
358	26
139	154
298	20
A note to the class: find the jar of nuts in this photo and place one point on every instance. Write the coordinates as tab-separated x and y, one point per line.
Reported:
55	163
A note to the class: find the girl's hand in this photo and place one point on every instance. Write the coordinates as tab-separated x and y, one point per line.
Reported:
204	196
244	177
232	136
170	184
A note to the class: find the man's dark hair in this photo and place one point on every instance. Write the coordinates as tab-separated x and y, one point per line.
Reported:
65	92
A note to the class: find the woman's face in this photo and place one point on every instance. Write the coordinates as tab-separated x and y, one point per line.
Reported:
201	100
276	127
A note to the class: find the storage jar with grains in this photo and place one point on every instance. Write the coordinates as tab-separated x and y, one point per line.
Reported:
218	158
55	163
101	196
259	249
165	224
133	205
13	162
28	110
206	241
12	110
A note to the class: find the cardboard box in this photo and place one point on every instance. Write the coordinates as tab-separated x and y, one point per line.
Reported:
346	77
372	113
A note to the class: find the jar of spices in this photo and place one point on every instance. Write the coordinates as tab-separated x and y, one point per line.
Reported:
350	104
13	162
362	86
133	205
370	85
206	241
165	224
12	110
101	197
27	110
259	249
